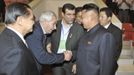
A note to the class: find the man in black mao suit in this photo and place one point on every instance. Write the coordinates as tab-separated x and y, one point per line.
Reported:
66	37
105	20
15	57
96	50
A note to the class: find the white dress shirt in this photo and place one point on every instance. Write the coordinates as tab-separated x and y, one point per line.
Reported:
64	34
106	26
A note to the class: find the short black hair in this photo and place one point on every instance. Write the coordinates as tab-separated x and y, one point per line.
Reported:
107	10
91	6
68	6
15	10
78	9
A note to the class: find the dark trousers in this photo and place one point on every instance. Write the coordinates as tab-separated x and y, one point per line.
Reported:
62	69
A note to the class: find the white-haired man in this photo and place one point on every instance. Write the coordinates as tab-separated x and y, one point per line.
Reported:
36	40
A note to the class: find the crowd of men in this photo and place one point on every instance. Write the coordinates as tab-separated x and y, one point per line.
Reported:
83	42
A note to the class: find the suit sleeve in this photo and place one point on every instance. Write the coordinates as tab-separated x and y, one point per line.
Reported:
80	33
118	38
35	44
107	55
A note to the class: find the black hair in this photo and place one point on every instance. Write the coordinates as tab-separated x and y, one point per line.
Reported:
15	10
91	6
68	6
107	10
78	9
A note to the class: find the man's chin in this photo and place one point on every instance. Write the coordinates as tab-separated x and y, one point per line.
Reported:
30	30
70	23
48	32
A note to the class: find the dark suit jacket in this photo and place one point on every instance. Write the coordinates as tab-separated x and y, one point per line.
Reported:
96	52
117	33
35	43
76	31
15	57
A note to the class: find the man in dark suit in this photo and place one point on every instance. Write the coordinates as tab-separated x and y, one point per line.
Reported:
96	50
37	39
105	20
66	37
15	57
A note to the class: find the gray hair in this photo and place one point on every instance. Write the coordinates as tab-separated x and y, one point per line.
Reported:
46	15
14	11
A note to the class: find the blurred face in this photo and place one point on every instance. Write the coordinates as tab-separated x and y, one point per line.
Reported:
68	16
49	26
104	20
87	18
28	22
79	17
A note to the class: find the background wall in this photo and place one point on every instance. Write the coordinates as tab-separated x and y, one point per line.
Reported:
54	5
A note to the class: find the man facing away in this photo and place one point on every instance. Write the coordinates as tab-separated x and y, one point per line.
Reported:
96	49
15	57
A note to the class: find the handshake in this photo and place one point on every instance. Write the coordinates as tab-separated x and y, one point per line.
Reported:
67	55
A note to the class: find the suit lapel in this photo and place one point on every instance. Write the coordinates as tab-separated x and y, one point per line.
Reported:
70	35
69	38
20	45
68	41
13	34
110	28
58	35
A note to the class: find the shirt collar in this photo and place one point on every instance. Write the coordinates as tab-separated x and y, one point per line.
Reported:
19	34
106	26
44	32
70	25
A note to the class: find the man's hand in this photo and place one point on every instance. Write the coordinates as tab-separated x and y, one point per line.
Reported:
74	68
48	47
67	55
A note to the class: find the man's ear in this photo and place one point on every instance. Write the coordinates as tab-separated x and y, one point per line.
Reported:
109	18
62	14
19	20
